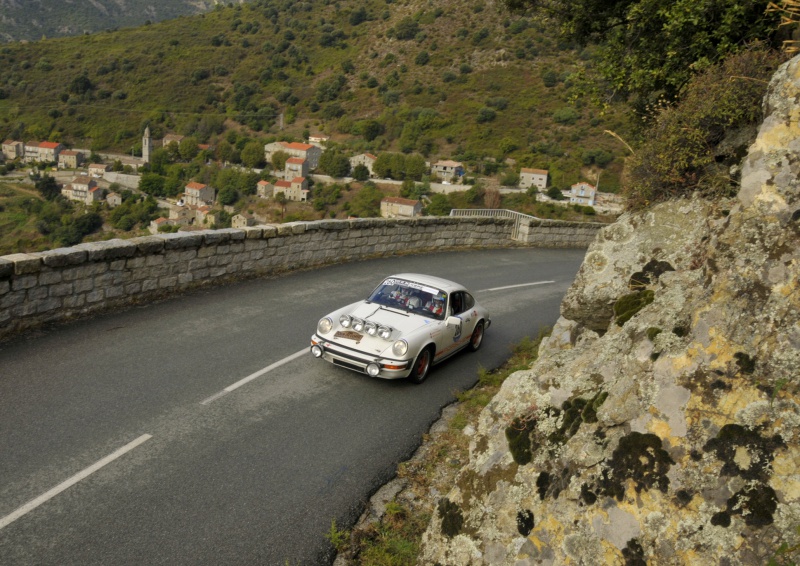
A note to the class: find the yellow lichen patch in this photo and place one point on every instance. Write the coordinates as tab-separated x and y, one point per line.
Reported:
736	400
780	135
785	477
611	555
660	428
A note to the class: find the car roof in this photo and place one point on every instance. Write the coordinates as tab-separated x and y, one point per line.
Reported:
433	281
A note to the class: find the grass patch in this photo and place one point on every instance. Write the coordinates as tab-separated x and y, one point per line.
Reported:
395	539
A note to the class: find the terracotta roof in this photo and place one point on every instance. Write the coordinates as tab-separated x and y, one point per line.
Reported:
68	152
535	171
49	145
283	184
195	186
263	182
296	160
295	145
448	163
298	179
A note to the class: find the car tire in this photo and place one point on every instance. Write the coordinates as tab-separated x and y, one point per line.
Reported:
422	366
476	339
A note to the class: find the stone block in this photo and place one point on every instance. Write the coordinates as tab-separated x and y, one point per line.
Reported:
61	290
180	240
108	250
148	245
24	282
95	296
47	305
62	257
133	288
25	263
167	282
11	299
50	277
6	268
73	301
215	237
5	287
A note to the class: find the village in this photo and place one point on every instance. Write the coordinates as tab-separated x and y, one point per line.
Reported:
197	207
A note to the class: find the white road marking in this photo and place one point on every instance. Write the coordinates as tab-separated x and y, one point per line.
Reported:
253	376
515	286
33	504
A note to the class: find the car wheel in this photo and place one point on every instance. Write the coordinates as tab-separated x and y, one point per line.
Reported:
476	339
422	365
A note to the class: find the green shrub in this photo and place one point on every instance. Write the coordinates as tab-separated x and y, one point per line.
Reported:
680	154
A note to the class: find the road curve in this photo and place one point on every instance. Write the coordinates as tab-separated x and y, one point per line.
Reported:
199	430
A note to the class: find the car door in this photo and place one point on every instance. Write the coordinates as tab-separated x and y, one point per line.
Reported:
456	336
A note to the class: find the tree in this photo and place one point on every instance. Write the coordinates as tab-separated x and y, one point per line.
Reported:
279	160
360	172
555	193
253	154
367	202
188	148
650	46
151	184
439	205
407	28
48	187
334	164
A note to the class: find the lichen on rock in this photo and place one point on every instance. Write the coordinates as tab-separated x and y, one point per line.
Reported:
695	446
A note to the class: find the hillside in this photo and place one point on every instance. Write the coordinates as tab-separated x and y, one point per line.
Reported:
32	20
463	79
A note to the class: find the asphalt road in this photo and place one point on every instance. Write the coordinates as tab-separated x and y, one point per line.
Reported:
199	430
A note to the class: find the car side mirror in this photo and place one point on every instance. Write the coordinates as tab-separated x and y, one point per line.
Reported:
453	321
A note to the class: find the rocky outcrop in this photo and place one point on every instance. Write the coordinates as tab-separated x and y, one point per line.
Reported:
661	424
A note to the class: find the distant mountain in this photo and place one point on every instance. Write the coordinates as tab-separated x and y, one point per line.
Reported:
451	79
36	19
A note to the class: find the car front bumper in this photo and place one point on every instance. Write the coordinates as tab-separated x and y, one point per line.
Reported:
356	360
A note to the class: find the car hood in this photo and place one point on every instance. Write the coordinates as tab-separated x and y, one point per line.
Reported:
403	322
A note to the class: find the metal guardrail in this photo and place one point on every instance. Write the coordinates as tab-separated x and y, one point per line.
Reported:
517	217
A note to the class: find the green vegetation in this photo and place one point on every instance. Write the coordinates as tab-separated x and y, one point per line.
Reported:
235	70
682	152
649	48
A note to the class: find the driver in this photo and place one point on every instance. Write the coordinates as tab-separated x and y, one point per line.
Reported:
437	306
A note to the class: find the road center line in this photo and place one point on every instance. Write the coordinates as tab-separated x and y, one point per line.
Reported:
33	504
253	376
515	286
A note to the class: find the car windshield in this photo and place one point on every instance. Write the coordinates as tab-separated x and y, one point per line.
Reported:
410	296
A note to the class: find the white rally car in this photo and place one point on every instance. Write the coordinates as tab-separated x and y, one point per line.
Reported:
407	324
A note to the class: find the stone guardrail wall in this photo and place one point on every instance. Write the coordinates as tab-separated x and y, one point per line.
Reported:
557	234
66	283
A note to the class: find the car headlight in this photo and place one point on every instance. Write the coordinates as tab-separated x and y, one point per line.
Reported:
384	332
324	325
345	320
358	324
371	328
400	348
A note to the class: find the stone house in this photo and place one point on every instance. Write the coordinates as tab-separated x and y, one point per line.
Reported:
295	167
365	159
13	149
282	187
533	178
582	193
205	216
158	223
265	189
243	220
83	189
169	138
448	171
396	207
297	190
318	139
70	159
31	152
198	194
307	151
97	169
182	215
113	199
48	151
